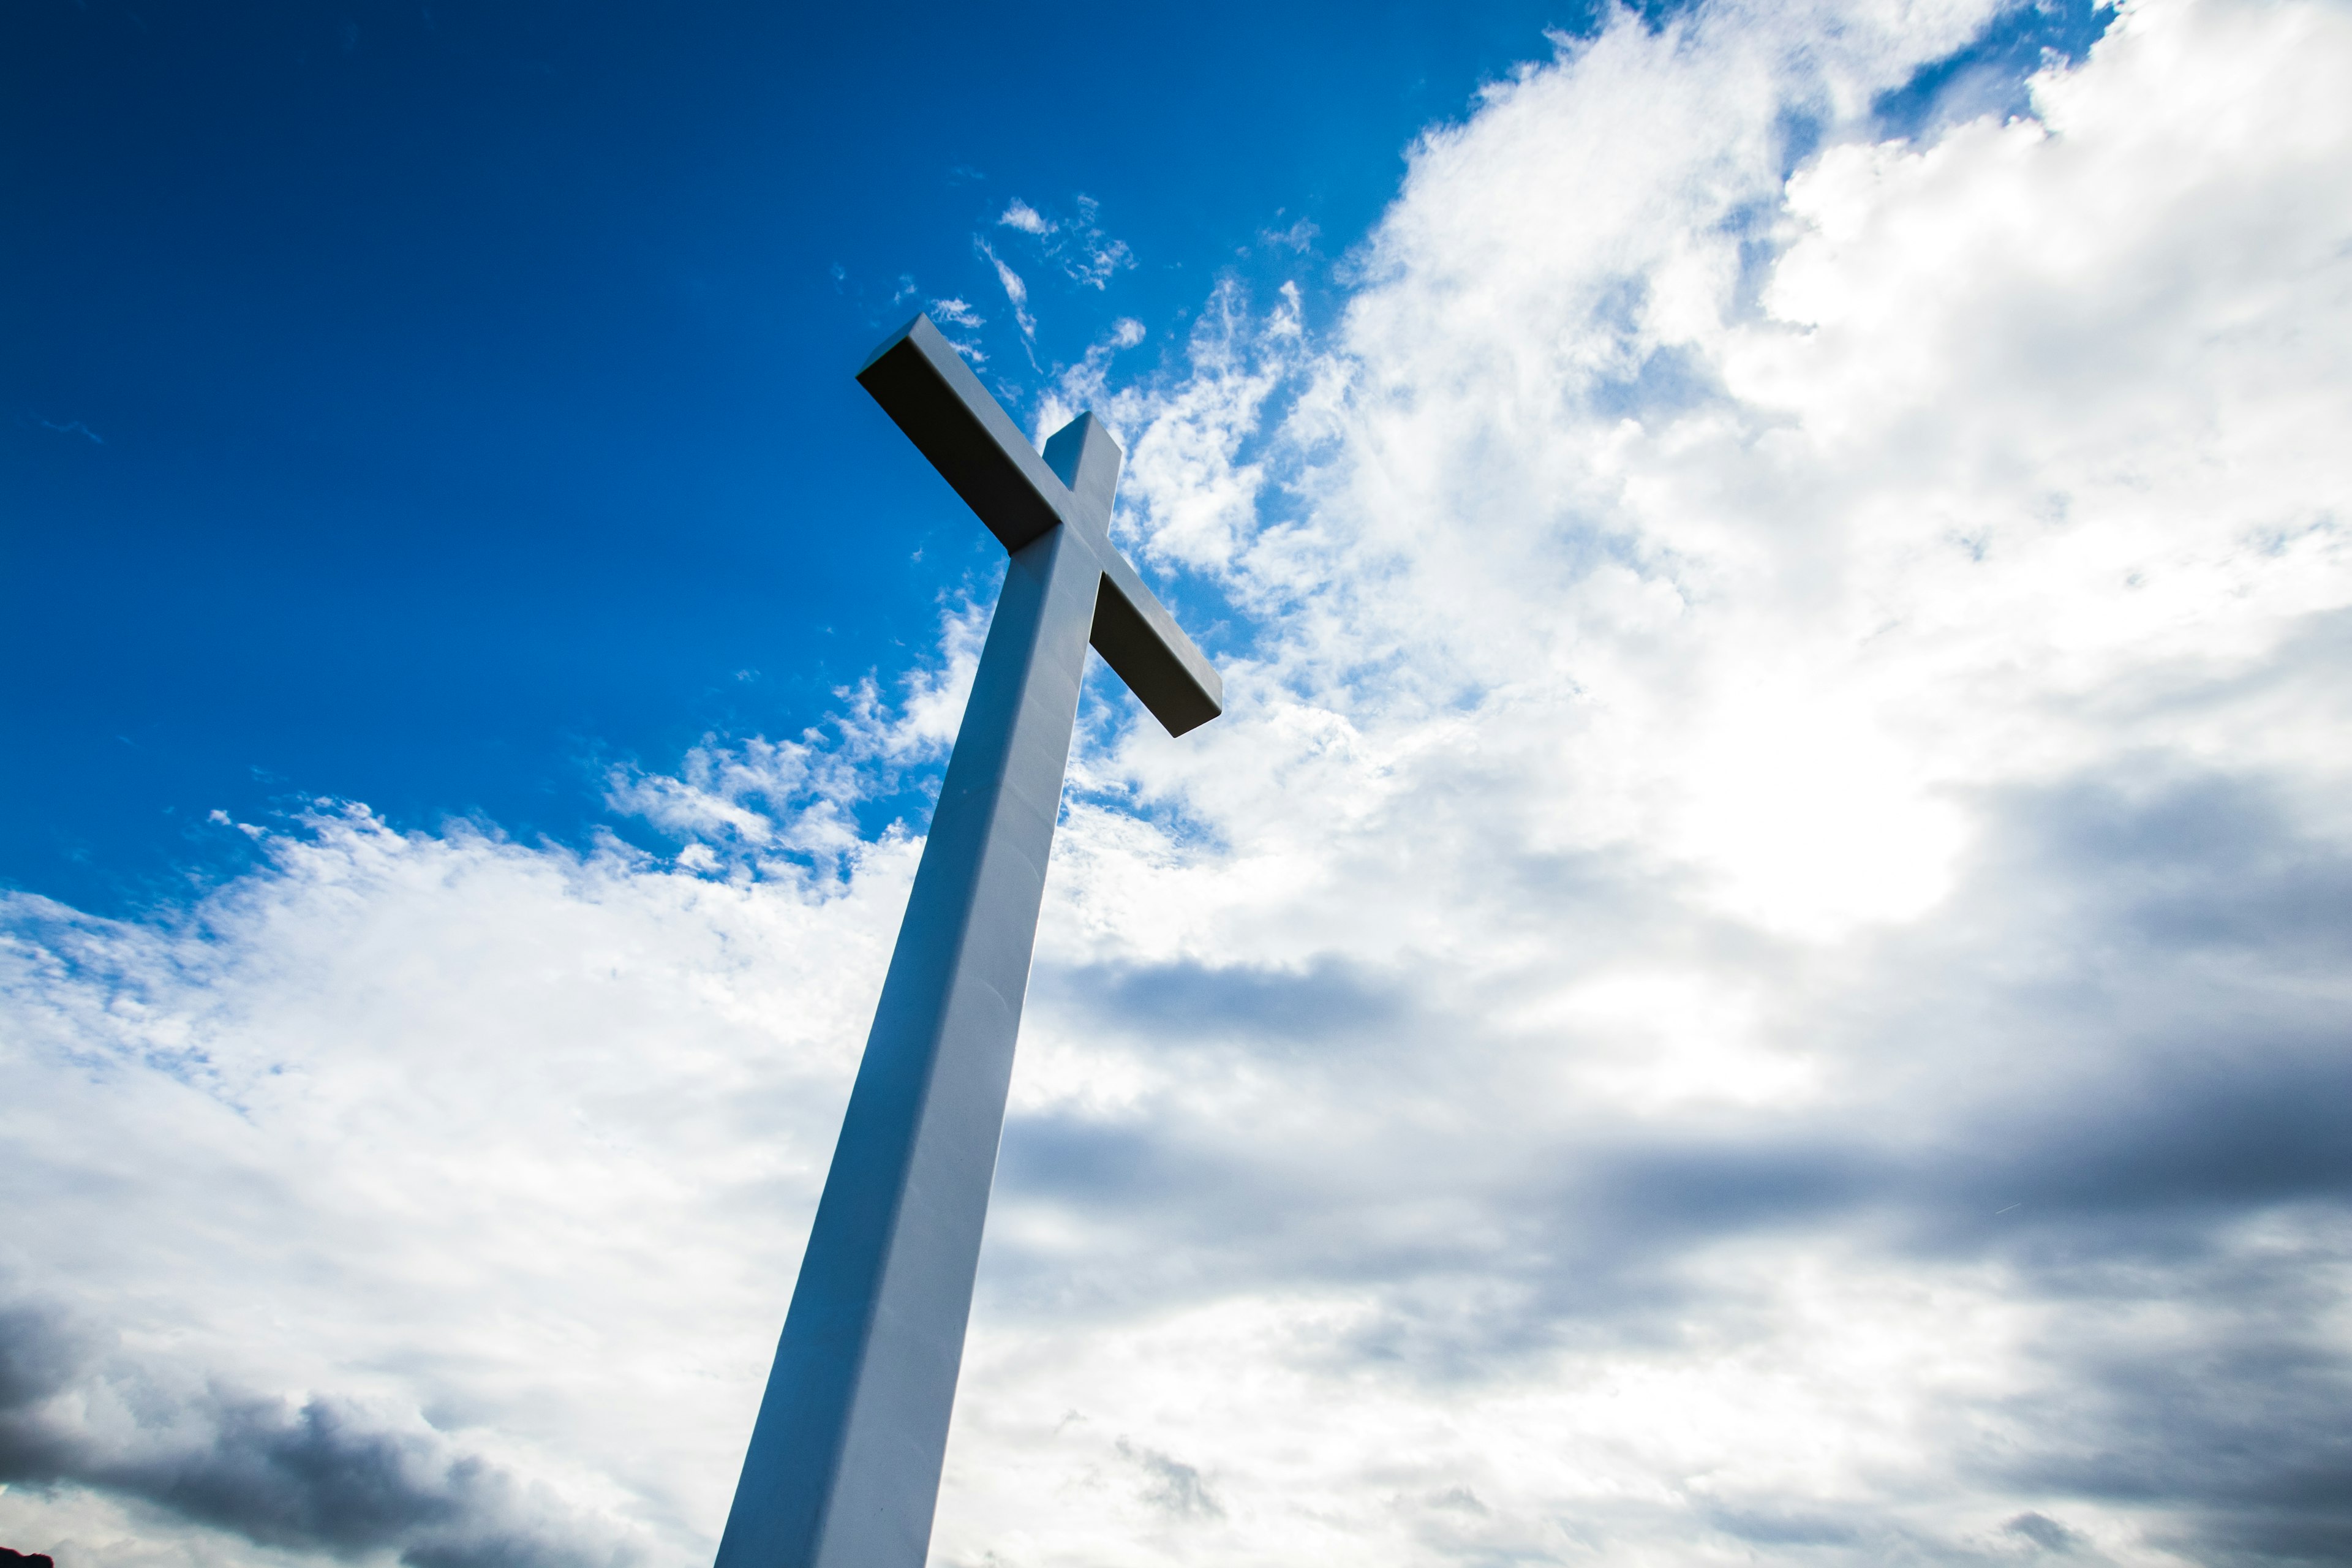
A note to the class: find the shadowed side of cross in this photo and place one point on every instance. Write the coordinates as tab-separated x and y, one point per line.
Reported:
842	1469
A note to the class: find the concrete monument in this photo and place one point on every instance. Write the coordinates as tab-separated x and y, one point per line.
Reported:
843	1465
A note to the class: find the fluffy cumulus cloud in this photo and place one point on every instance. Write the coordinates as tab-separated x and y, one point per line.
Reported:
1757	973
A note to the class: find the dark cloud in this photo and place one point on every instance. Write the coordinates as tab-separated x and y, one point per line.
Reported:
1784	1527
1330	1000
2193	864
39	1355
2117	1052
321	1475
2147	1033
1174	1488
2218	1396
2043	1531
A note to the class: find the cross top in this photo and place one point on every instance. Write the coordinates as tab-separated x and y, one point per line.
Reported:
924	384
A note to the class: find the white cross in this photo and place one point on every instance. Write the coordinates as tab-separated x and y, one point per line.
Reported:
844	1466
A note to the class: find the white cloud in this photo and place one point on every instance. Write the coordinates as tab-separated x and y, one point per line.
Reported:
1087	384
1756	971
411	1122
1017	291
1094	257
1299	237
1184	467
1086	253
1020	214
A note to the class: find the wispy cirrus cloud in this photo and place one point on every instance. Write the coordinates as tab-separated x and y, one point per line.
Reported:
1016	291
1086	384
1085	253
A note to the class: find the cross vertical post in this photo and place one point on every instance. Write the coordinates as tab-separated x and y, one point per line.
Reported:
842	1469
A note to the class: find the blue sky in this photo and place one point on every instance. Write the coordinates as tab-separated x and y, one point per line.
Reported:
426	405
1755	972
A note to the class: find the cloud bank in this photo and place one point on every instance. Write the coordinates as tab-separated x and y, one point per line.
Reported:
1757	971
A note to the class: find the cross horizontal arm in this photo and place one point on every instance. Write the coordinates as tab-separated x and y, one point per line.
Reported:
1142	643
925	386
923	383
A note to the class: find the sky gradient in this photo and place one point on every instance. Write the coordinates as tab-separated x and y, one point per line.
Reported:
1755	972
428	406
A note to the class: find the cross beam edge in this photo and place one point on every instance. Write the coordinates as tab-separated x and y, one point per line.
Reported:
1145	647
923	384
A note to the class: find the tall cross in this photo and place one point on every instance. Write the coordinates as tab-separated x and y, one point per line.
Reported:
844	1466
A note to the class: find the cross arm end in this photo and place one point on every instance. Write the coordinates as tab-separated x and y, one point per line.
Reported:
1144	645
923	384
